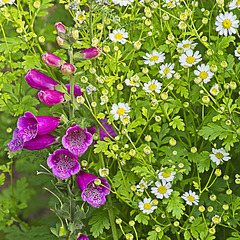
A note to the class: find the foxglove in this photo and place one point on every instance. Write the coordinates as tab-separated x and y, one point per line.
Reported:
63	163
51	60
92	193
88	54
83	237
77	140
67	68
50	97
39	80
60	28
77	90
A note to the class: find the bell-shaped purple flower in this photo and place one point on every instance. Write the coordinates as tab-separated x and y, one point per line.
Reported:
39	80
77	90
77	140
102	132
63	163
88	54
40	142
50	97
83	237
16	143
67	68
92	193
47	124
51	60
60	28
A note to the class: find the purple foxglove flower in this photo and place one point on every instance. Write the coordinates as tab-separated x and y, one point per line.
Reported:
77	140
67	68
51	60
39	80
50	97
88	54
92	193
17	142
47	124
102	132
63	163
60	28
83	237
77	90
62	43
40	142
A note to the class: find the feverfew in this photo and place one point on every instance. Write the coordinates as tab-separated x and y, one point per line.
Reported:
119	109
122	2
152	86
155	57
167	70
80	16
119	35
162	190
234	4
186	45
147	206
204	73
189	58
190	198
219	156
226	24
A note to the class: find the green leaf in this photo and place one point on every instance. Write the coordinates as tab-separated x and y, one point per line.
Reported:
226	41
101	146
174	204
177	122
2	179
142	218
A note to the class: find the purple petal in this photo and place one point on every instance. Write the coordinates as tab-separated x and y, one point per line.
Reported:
27	126
47	124
77	140
83	237
16	143
39	80
109	129
91	53
50	97
77	90
67	68
40	142
63	163
51	60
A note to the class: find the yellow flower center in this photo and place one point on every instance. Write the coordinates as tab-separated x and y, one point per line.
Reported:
81	17
170	4
203	75
166	175
118	36
190	60
187	45
215	92
154	58
226	24
132	82
166	70
142	186
125	121
238	2
219	155
182	25
191	198
6	1
120	111
215	219
147	206
162	189
152	87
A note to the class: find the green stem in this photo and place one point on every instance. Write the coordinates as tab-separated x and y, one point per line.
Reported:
71	109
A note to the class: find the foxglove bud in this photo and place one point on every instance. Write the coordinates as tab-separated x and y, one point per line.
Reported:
88	54
77	90
51	97
39	80
74	35
51	60
67	68
62	43
60	28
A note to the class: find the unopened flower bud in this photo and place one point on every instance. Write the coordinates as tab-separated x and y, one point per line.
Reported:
67	69
62	43
60	28
51	60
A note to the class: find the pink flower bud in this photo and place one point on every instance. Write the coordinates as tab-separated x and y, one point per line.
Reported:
62	43
67	68
51	60
60	28
50	97
88	54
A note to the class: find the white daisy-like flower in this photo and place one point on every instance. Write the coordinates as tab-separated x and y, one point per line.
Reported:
119	109
216	219
147	206
104	99
219	155
162	189
237	53
125	119
152	86
137	45
189	58
143	184
167	70
122	2
168	177
190	198
234	4
4	2
119	35
103	172
80	16
131	83
90	89
171	3
226	23
182	25
214	90
186	45
204	73
155	57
